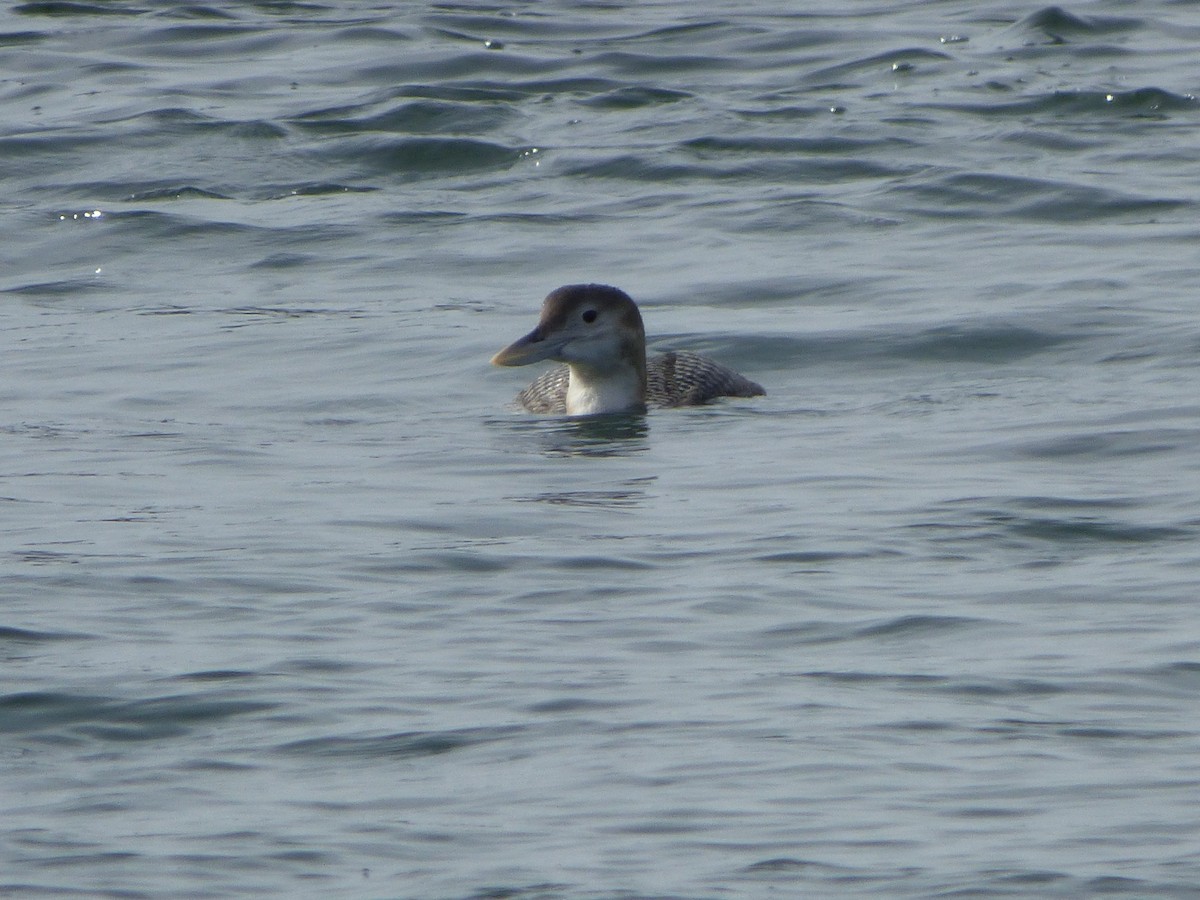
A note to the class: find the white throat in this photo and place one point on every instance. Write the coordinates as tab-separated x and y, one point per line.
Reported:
591	392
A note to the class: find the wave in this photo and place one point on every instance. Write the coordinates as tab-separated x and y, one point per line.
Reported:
416	117
110	718
401	745
415	157
1056	23
1147	102
983	194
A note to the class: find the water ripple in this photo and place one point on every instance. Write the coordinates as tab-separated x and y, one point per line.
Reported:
1054	22
112	719
419	157
27	636
1083	105
909	627
401	745
414	117
962	194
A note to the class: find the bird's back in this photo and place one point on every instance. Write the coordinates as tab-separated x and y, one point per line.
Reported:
679	378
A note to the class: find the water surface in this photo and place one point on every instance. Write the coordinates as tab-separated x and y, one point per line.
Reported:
295	603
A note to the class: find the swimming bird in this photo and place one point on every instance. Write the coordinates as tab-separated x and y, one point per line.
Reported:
597	331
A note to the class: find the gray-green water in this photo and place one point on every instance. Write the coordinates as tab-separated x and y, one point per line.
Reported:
293	603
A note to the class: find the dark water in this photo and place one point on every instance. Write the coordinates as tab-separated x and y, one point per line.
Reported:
295	604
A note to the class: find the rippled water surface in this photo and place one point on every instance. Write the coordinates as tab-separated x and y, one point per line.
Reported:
295	603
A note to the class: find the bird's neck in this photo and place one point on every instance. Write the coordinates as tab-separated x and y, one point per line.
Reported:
614	388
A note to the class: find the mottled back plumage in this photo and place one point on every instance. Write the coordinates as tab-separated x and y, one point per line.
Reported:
676	378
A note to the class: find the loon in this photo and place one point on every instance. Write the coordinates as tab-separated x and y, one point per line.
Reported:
597	331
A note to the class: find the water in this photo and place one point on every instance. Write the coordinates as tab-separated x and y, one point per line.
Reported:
296	604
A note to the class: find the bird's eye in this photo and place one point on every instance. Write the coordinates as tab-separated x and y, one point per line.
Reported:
589	316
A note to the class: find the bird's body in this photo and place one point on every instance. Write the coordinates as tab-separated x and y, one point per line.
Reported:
677	378
597	332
